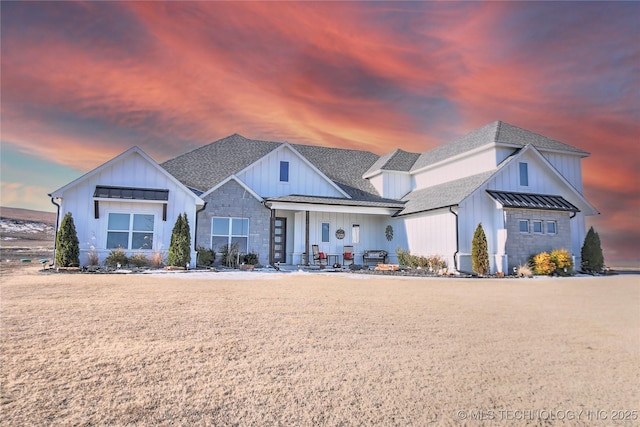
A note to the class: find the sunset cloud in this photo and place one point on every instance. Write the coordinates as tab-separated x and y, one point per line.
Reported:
82	82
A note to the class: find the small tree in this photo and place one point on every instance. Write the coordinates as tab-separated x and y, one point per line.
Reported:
479	252
67	244
180	247
591	253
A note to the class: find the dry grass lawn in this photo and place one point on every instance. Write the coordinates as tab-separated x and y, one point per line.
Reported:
317	349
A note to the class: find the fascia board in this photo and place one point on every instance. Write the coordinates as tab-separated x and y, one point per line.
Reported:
311	207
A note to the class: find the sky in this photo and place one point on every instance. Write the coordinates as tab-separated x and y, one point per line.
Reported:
81	82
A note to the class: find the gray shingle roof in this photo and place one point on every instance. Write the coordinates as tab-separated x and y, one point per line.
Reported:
443	195
207	166
344	167
494	133
397	160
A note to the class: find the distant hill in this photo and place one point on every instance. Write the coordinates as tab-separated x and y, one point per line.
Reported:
28	215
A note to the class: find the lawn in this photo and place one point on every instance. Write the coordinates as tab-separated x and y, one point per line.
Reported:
317	349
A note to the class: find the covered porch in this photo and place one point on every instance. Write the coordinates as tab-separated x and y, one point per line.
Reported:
336	226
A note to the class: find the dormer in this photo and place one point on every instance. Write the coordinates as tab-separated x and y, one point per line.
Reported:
390	174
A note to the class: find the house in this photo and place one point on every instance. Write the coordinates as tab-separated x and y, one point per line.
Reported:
277	199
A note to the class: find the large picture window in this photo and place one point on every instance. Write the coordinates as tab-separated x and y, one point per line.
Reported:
130	231
230	231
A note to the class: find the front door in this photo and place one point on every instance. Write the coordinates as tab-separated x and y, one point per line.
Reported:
279	240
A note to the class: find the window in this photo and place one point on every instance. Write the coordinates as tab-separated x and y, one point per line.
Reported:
130	231
524	226
284	171
551	227
355	233
537	227
524	174
230	231
325	232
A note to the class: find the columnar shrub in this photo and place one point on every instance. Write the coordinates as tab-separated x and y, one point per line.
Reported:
180	247
542	264
67	244
479	252
562	260
591	253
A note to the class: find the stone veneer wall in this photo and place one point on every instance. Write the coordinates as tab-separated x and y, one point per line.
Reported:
520	246
231	200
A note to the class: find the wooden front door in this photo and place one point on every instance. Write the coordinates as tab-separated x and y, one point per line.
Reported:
279	240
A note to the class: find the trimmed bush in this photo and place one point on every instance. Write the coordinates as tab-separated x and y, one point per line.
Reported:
542	264
403	257
115	257
251	258
67	244
206	257
479	252
432	262
139	260
180	247
562	259
591	253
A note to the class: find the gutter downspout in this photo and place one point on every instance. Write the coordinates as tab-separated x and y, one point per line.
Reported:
455	254
195	226
55	238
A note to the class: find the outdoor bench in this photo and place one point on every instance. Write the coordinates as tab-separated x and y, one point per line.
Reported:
377	256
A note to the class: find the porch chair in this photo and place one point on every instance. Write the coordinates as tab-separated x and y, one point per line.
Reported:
318	257
347	255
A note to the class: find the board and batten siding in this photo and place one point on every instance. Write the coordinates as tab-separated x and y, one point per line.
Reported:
372	235
432	233
392	184
569	167
130	171
263	177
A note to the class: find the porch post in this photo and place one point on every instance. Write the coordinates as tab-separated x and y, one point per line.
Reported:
272	236
306	238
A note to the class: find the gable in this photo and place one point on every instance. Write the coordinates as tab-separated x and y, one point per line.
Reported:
302	177
133	169
542	178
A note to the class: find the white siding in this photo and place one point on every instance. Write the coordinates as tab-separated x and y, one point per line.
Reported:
476	209
372	235
569	167
131	171
392	184
264	177
470	165
432	233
